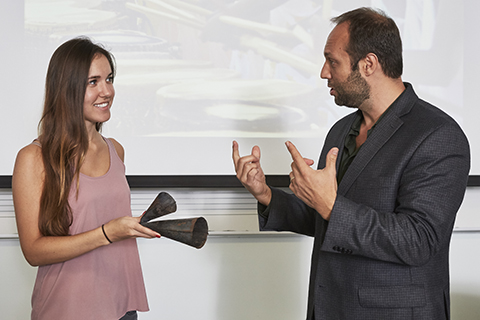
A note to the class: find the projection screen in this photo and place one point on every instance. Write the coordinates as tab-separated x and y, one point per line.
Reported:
194	75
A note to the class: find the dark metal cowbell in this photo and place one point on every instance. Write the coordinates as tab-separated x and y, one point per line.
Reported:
192	231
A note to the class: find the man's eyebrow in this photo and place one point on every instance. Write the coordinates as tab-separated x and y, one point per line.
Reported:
327	54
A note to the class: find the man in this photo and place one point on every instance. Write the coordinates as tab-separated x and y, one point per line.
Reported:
383	207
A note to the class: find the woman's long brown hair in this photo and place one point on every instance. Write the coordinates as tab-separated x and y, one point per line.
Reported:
62	131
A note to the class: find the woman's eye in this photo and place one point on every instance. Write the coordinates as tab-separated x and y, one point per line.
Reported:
110	79
92	82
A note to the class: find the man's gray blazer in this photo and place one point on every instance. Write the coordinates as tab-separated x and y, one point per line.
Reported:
384	252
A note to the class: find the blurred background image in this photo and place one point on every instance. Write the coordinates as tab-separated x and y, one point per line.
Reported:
195	74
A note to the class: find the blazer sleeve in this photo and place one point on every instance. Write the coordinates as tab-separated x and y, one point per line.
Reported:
428	193
286	213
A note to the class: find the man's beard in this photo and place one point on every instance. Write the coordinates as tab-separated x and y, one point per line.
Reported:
353	91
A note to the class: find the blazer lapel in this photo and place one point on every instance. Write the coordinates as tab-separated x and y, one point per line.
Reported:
384	130
375	141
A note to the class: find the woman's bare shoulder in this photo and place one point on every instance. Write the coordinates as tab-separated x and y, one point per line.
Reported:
29	158
118	148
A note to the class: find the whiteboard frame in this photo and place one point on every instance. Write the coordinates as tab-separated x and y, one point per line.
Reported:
204	181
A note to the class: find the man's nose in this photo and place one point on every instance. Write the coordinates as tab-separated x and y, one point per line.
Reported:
324	72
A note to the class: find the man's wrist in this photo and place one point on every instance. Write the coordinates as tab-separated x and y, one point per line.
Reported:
265	197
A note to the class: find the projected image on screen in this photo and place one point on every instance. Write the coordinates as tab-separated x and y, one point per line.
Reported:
211	68
195	74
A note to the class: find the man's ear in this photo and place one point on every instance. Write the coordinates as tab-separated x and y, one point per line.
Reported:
369	64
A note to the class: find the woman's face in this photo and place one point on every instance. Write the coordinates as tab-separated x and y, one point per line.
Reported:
100	92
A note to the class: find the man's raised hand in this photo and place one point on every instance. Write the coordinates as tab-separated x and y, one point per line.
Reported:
317	188
250	173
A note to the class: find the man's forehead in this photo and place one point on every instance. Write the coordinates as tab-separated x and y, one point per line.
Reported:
337	39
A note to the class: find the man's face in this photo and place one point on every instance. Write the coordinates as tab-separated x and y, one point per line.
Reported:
348	87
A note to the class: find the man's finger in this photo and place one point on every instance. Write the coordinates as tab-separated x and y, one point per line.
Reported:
296	156
235	153
309	162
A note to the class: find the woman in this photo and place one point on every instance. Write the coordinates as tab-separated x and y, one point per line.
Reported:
71	198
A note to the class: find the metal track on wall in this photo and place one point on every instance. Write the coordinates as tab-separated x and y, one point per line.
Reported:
229	211
227	206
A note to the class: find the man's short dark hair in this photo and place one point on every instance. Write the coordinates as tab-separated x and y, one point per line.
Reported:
372	31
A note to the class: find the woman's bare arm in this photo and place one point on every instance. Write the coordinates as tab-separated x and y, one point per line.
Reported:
27	184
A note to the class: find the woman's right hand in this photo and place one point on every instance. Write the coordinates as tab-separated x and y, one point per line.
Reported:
127	227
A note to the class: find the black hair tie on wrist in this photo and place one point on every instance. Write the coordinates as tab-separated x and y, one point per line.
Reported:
105	234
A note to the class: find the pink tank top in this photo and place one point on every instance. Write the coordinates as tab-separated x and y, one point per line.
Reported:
106	282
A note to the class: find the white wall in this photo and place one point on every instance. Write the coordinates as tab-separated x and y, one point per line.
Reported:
237	277
234	278
465	275
251	277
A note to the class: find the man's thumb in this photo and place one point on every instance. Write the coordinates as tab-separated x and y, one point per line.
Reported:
332	158
256	152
